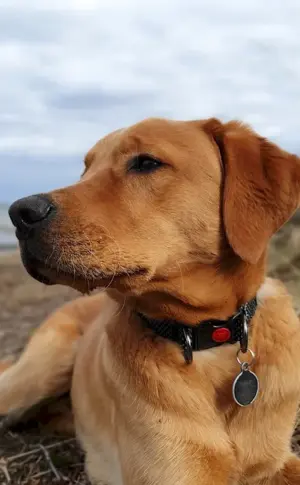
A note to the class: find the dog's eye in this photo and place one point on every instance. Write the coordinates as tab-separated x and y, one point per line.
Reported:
144	163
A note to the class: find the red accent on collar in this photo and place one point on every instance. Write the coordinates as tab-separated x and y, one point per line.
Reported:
221	335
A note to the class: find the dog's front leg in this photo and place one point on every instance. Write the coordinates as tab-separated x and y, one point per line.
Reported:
45	367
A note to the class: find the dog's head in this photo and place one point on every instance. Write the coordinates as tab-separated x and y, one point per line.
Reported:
156	197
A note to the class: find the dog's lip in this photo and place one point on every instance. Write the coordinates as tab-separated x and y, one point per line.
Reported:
22	235
49	275
39	276
34	266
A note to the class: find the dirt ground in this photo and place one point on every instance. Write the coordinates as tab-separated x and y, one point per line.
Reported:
24	303
26	457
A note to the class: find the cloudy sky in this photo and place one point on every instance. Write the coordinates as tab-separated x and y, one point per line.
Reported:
73	70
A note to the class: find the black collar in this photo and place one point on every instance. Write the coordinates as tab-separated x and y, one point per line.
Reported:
206	334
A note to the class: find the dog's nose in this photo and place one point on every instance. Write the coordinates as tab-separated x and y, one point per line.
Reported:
30	212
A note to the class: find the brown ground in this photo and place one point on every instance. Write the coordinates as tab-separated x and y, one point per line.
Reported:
28	458
24	303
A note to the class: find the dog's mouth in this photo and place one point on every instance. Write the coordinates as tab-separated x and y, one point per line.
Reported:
51	273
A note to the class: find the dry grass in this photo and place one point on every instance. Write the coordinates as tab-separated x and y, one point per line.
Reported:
27	456
29	459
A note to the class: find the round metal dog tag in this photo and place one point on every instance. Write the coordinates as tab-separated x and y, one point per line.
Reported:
245	388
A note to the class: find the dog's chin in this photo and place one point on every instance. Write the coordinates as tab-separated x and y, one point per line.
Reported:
49	276
54	275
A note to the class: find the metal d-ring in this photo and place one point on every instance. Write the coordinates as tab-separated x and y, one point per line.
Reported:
245	365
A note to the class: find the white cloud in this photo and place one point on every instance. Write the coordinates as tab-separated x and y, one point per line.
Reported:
72	70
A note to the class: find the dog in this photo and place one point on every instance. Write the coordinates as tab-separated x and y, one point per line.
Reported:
171	219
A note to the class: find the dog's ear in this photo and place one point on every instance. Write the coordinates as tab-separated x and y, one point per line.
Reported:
261	186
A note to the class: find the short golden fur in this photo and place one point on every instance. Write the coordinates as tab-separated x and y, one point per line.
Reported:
187	241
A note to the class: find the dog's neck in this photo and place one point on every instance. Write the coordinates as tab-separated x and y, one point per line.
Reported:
199	292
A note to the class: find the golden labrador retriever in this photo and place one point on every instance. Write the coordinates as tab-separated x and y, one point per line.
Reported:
186	370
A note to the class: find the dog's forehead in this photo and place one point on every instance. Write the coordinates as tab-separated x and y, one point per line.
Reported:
158	130
153	135
148	131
